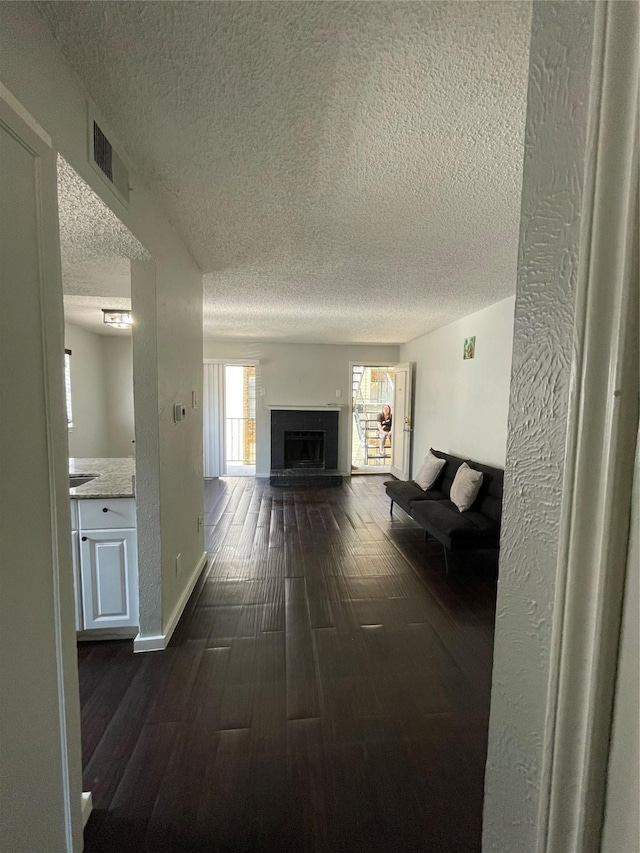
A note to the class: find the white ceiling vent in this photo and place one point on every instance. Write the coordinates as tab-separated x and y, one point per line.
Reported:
106	162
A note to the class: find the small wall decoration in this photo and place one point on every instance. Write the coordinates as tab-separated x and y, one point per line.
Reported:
469	348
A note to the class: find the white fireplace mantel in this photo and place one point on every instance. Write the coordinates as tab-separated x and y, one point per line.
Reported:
321	408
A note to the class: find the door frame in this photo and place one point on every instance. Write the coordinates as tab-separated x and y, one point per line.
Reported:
233	362
404	473
352	364
57	611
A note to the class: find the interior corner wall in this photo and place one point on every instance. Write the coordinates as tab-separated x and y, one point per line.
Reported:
301	375
461	406
89	435
34	70
118	377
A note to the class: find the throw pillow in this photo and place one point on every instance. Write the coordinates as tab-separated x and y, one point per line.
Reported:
465	487
429	470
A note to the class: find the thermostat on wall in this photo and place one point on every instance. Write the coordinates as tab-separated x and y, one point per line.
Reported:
179	412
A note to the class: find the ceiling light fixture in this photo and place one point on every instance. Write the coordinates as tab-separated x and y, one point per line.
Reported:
119	318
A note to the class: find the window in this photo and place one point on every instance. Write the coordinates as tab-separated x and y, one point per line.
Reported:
67	386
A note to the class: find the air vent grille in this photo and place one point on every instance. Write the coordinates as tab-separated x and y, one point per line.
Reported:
105	159
102	152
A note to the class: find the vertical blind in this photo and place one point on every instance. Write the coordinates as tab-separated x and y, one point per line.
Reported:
213	427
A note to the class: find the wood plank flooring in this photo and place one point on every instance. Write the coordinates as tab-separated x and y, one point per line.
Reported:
327	689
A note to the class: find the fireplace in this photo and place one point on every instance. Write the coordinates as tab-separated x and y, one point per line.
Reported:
304	447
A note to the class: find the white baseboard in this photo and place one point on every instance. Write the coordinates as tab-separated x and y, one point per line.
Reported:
151	643
158	642
87	807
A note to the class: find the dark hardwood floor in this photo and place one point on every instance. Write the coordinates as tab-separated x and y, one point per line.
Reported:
326	690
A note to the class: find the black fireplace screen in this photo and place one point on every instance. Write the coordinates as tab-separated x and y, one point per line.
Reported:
303	449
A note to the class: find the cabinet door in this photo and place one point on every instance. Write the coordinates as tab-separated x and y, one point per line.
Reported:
77	581
108	564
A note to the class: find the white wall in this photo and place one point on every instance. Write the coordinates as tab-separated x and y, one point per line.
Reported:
460	406
101	394
300	375
34	70
118	377
89	436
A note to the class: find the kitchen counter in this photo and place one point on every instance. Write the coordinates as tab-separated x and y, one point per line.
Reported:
116	478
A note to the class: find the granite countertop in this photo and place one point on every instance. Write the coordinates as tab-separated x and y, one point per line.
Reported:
116	477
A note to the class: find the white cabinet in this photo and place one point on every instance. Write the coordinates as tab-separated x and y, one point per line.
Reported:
106	564
106	514
77	581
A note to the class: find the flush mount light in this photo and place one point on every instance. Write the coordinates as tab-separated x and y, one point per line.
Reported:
119	318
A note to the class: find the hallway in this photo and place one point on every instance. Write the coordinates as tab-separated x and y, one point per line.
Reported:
327	691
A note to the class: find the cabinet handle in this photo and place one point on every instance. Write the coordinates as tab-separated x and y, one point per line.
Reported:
84	538
105	509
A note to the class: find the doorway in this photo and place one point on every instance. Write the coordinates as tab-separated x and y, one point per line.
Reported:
372	389
229	412
240	420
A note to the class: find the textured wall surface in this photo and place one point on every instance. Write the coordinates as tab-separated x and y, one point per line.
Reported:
343	172
460	406
145	383
555	145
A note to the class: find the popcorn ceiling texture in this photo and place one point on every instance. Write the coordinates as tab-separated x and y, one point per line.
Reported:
341	171
89	230
86	311
95	247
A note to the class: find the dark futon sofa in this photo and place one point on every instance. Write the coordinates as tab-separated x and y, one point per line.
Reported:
475	529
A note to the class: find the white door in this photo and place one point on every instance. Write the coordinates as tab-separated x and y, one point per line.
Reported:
108	567
402	421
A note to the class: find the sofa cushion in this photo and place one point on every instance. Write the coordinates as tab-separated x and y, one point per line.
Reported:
465	487
456	530
448	473
405	493
429	470
489	500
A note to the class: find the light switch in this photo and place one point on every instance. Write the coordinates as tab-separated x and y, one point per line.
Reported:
179	412
338	392
195	400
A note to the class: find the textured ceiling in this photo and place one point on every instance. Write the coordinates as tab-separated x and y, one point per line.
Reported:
96	250
86	311
342	171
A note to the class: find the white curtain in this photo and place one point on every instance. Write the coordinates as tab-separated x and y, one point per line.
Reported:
213	429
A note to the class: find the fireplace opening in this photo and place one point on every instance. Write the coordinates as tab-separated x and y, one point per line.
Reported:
303	449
